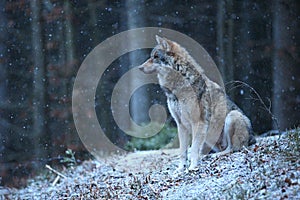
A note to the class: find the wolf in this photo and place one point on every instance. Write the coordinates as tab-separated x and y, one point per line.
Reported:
199	106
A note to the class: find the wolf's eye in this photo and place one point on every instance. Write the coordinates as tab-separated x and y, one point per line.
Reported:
155	56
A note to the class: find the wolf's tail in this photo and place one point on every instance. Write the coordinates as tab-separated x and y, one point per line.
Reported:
252	139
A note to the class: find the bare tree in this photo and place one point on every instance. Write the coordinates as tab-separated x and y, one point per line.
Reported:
225	40
140	101
285	68
243	53
38	79
3	85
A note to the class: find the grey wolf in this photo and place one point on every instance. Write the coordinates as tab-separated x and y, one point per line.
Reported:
199	106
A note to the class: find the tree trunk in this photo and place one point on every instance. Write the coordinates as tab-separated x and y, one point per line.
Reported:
38	80
140	101
220	37
69	66
69	33
243	55
3	77
285	64
225	40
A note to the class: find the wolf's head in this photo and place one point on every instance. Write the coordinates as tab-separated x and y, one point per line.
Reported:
167	54
162	55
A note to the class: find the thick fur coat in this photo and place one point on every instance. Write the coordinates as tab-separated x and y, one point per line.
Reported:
199	106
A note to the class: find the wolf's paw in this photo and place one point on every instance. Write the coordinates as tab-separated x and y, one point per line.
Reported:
215	156
193	167
179	172
181	168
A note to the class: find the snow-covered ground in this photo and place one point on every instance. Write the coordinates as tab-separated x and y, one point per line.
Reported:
270	169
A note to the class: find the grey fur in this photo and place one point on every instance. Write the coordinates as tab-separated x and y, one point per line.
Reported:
199	106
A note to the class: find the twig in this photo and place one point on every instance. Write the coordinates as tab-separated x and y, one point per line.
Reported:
55	180
265	107
56	172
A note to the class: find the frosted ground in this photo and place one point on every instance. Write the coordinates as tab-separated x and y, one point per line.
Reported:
270	169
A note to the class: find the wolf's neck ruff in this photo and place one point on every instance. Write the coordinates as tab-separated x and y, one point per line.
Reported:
182	74
199	106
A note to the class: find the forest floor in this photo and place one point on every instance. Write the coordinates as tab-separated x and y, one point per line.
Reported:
270	169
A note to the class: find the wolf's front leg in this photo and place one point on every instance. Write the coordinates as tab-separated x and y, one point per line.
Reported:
198	140
183	136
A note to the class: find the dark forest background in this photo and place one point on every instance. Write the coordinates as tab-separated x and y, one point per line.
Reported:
43	43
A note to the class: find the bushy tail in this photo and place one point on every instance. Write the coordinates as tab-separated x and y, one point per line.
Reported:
252	139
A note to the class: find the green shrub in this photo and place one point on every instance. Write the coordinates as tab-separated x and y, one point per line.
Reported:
69	159
155	142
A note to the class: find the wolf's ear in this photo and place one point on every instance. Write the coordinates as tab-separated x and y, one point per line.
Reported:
163	42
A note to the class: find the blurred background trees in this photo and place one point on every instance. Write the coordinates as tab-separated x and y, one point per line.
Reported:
42	44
